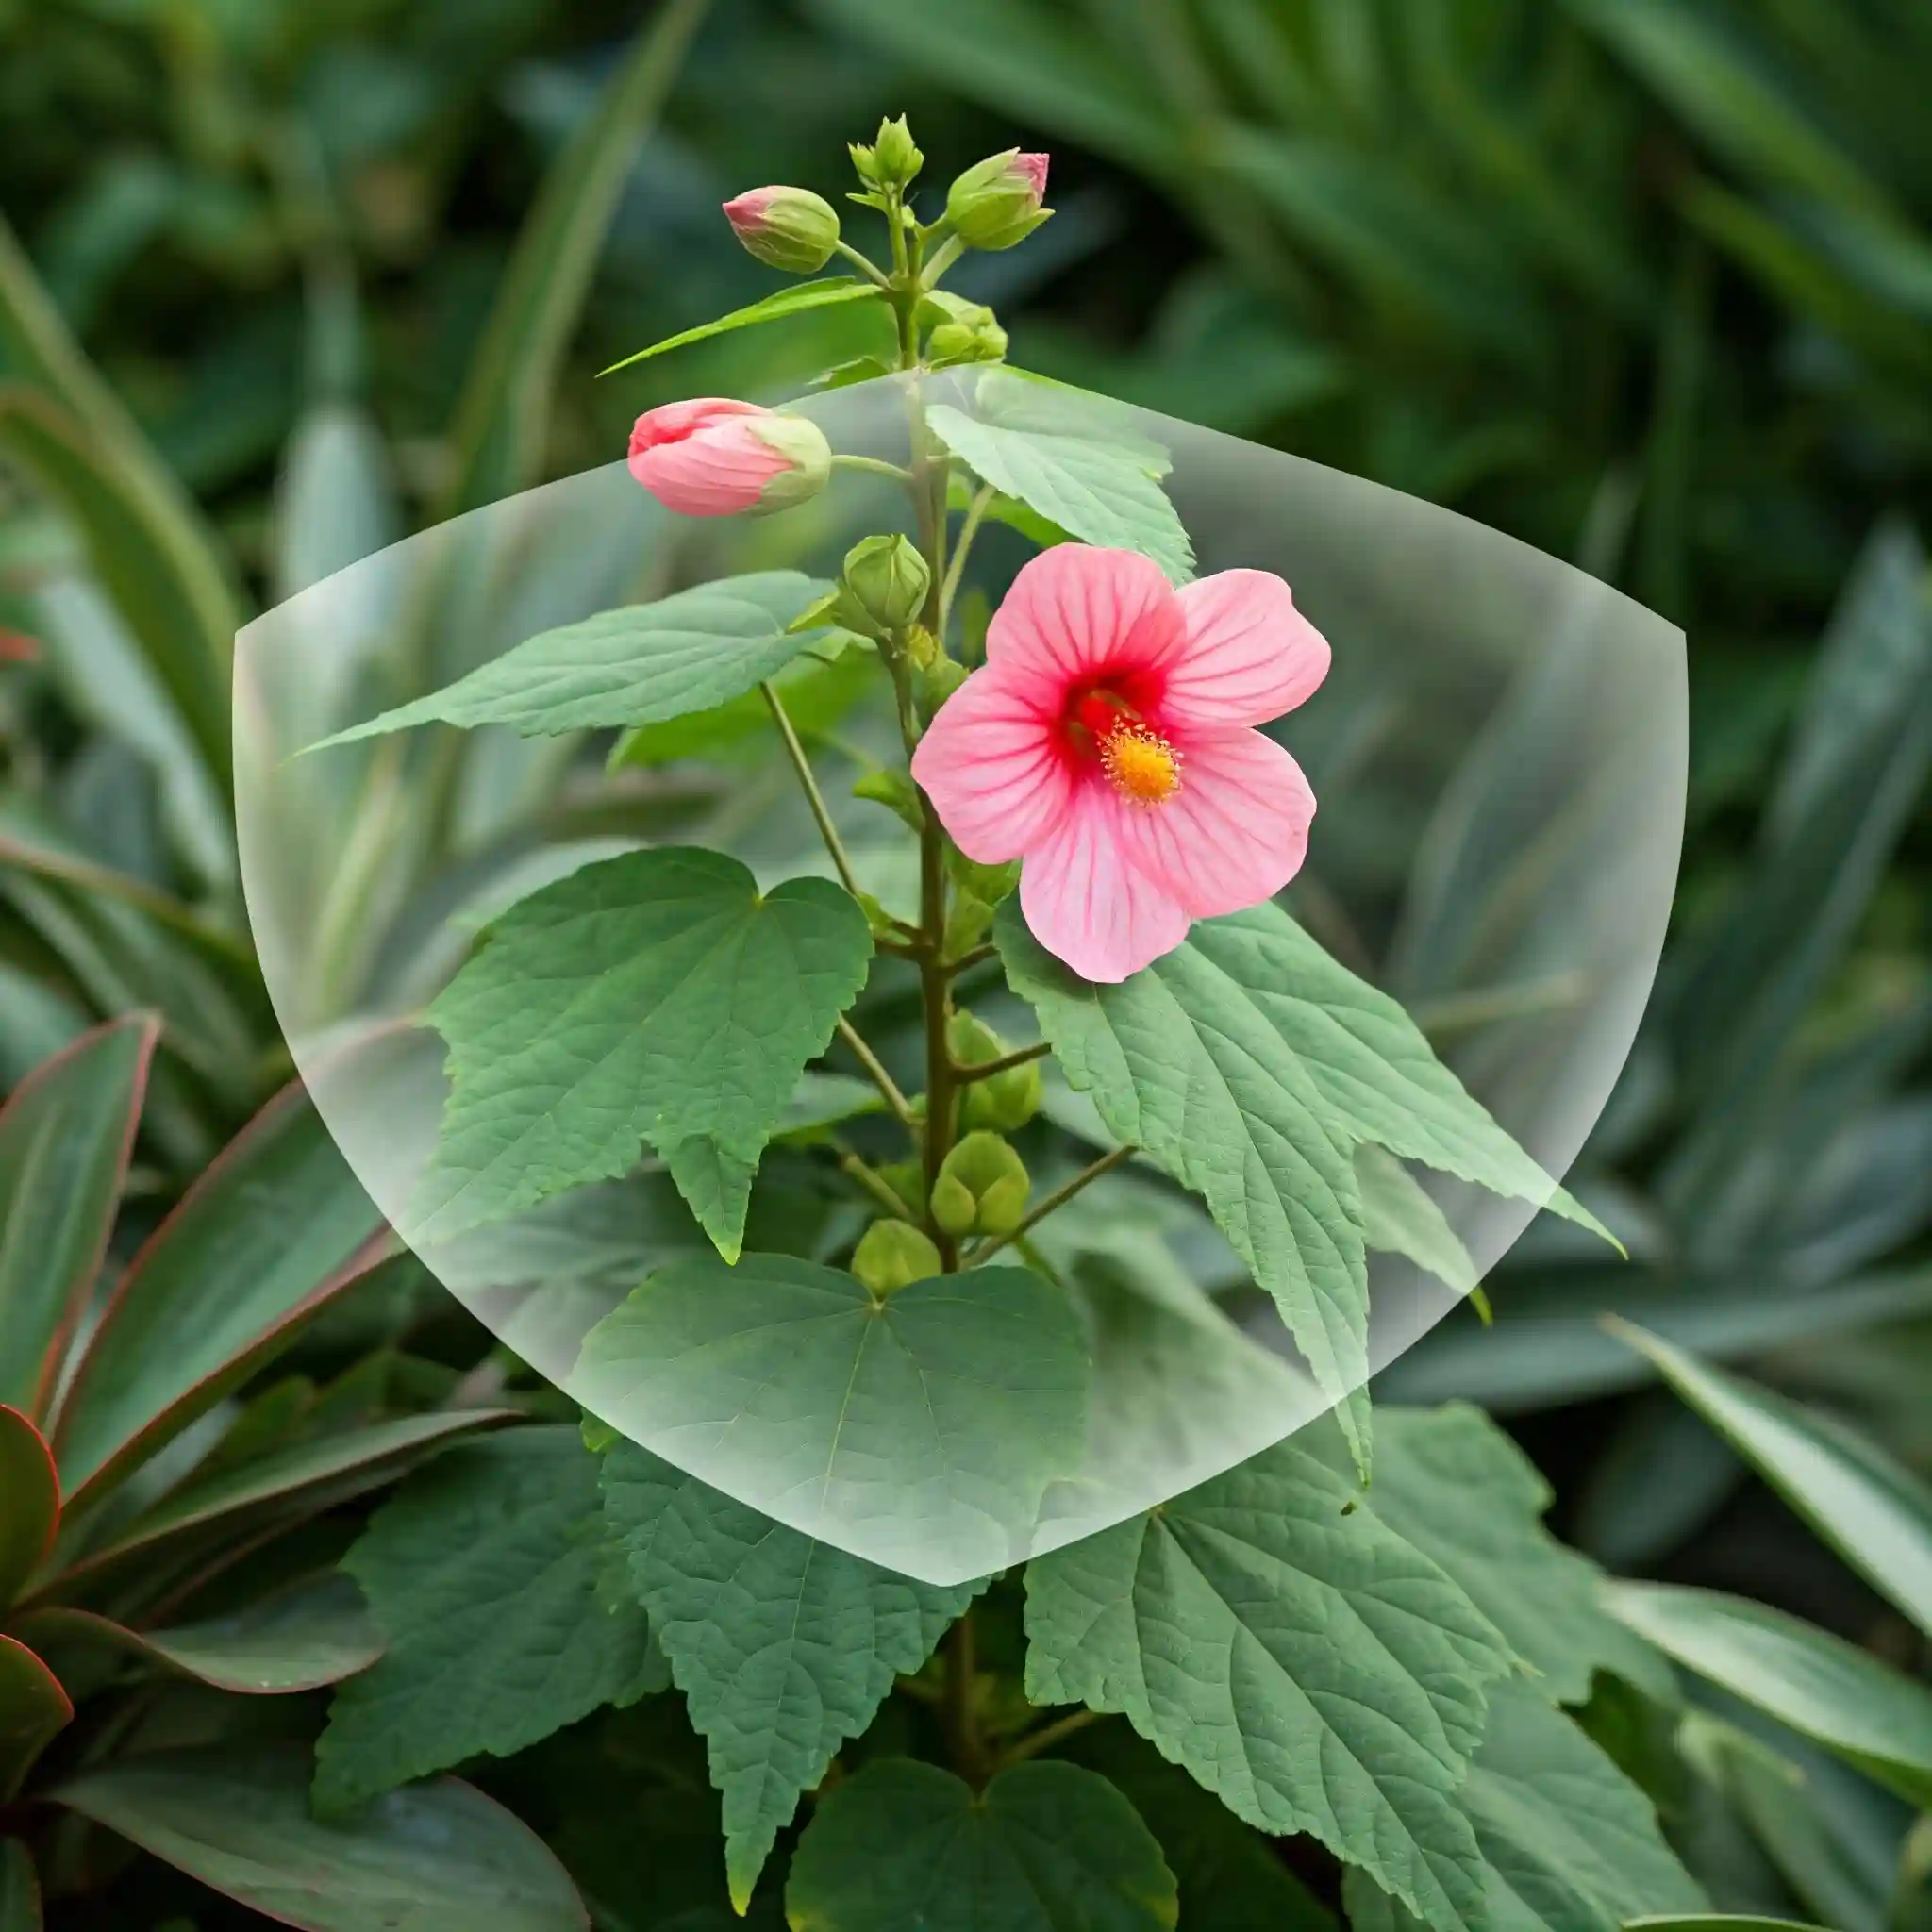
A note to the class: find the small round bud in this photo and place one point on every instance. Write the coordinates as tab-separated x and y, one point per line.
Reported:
1006	1102
790	228
981	1188
888	579
962	331
892	1255
997	202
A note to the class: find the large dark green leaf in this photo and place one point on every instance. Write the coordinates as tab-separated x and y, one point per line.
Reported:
29	1501
504	418
34	1709
1843	1698
1309	1666
638	664
1047	1847
440	1857
1569	1844
273	1231
1876	1514
483	1574
783	1383
657	998
784	1647
65	1135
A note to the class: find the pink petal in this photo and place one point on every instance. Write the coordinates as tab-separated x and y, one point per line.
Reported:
718	470
1075	610
1087	904
673	421
1234	834
1249	654
992	767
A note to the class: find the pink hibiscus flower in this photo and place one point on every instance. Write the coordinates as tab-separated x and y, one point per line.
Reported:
1108	744
714	456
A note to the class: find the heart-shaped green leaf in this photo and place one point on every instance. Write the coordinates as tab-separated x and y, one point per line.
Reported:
1047	1846
438	1857
784	1383
64	1139
656	997
638	664
783	1647
29	1501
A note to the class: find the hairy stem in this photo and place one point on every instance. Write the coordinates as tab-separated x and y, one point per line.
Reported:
1059	1198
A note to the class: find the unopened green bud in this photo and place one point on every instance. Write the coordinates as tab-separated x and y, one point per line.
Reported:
962	331
892	1255
887	578
906	1178
808	461
981	1188
790	228
997	202
1007	1101
893	160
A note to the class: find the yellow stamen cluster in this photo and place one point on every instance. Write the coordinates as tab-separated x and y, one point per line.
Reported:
1140	765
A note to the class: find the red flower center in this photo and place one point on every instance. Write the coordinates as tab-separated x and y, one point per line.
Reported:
1136	760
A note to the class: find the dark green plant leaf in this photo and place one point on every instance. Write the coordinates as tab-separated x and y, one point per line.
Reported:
299	1638
778	1380
1569	1844
657	998
29	1501
1876	1514
1862	1711
638	665
440	1857
1714	1922
268	1236
796	300
1047	1847
1073	458
34	1709
65	1135
20	1888
483	1574
299	1480
501	421
783	1647
1303	1661
1453	1484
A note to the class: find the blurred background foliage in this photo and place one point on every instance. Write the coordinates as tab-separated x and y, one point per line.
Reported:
1647	283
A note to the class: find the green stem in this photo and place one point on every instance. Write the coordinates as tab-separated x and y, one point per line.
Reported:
878	466
880	1079
874	1184
969	528
813	796
1059	1198
863	263
987	1070
960	1708
1046	1736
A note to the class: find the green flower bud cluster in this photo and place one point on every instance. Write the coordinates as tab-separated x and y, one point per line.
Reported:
981	1188
883	584
1004	1102
892	1255
961	331
893	158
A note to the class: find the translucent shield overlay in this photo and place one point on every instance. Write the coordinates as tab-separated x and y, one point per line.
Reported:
1499	758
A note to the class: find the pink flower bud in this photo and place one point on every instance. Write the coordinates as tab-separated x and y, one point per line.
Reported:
715	457
790	228
997	202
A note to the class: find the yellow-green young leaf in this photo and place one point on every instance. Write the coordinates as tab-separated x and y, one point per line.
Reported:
1075	458
502	420
784	1647
65	1135
1871	1715
1569	1844
657	998
1314	1671
1047	1846
1183	1062
783	1383
1453	1484
439	1858
638	664
483	1574
797	300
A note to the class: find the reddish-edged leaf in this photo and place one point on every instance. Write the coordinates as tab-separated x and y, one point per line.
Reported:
294	1482
64	1140
33	1710
438	1857
274	1229
29	1501
313	1633
20	1890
